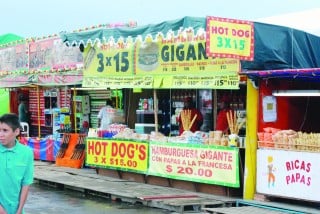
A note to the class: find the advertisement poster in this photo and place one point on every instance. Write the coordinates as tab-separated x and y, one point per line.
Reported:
289	174
176	61
117	154
109	60
51	53
197	163
230	38
14	58
40	54
166	57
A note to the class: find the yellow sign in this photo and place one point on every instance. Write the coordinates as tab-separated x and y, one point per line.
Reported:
223	80
118	82
230	38
108	60
179	58
125	155
175	62
213	165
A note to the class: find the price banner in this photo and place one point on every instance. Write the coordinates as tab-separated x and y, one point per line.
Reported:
118	82
197	163
230	38
117	154
108	60
223	80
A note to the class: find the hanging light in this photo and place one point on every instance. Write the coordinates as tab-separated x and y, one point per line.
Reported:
296	93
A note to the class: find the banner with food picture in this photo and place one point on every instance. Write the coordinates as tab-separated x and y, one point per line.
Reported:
169	61
181	62
13	59
50	54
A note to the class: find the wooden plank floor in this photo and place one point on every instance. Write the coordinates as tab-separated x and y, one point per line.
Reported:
176	200
87	181
241	210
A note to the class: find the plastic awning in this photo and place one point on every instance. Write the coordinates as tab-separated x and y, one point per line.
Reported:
275	47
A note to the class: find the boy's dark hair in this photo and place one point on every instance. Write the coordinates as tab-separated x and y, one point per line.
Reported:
12	120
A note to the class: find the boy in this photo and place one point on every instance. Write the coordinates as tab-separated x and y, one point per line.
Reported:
16	167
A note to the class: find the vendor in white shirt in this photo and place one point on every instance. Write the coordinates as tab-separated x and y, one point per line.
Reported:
106	115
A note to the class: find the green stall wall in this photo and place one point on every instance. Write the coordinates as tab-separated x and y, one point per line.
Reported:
4	100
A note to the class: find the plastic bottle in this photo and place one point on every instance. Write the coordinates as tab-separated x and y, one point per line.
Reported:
150	104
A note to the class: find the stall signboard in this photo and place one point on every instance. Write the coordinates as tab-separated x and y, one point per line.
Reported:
167	57
40	54
171	61
198	163
109	59
182	62
64	57
117	154
290	174
13	59
51	54
230	38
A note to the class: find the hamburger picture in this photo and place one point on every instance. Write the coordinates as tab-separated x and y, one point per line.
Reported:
148	56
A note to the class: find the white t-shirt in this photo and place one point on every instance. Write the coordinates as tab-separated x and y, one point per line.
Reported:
106	114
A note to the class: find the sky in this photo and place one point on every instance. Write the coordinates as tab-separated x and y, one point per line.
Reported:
38	18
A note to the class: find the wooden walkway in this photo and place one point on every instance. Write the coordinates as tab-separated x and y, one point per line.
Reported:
87	181
175	200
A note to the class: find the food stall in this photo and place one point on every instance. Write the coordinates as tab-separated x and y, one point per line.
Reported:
287	135
156	66
42	69
126	158
49	74
286	132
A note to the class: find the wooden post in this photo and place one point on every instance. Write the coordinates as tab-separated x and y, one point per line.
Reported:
39	113
215	108
74	105
155	108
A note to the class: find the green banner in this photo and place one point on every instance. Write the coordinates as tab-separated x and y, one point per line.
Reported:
5	101
198	163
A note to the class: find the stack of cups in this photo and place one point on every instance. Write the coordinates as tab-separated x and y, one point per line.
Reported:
215	137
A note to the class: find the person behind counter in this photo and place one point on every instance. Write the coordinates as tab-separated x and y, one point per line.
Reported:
190	118
22	109
106	115
222	121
